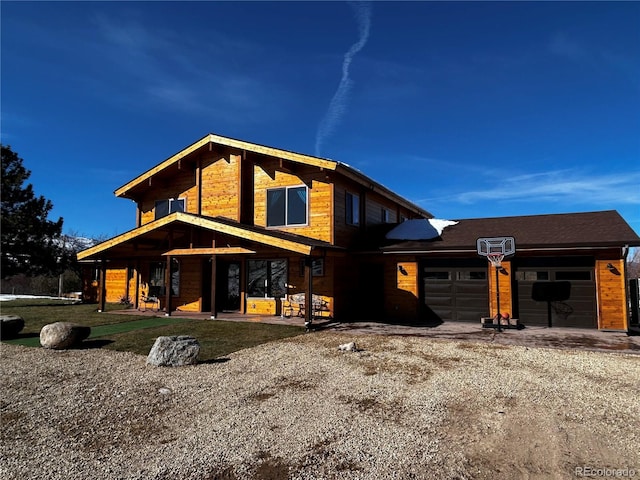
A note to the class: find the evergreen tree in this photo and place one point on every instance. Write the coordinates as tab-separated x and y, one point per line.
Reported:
30	242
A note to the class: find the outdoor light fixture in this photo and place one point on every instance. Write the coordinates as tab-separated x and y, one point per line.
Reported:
610	267
402	270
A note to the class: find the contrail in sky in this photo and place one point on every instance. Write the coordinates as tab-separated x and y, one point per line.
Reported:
338	105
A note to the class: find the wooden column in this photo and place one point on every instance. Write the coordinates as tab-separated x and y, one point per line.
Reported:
243	283
199	187
103	285
214	306
167	278
308	292
136	301
167	286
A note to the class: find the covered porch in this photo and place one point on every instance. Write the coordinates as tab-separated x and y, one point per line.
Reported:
209	266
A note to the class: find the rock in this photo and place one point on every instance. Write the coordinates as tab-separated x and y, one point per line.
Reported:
10	326
174	351
63	335
348	347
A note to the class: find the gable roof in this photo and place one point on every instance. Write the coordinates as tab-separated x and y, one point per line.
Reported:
125	191
122	244
562	231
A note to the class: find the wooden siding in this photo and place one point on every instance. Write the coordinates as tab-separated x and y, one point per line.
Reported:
506	303
116	283
343	232
373	210
221	186
269	175
611	295
219	189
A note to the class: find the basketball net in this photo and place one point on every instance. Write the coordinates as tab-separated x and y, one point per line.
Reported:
495	259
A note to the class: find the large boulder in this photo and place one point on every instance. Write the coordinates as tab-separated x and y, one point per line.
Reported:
10	326
174	351
63	335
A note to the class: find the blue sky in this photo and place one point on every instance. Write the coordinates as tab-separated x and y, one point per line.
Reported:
469	109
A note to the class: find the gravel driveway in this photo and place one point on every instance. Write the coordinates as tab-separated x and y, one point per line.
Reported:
398	408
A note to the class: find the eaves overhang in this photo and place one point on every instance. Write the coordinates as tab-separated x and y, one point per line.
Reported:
272	239
124	191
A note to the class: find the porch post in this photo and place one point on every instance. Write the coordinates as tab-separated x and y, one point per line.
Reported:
167	286
103	285
214	306
308	292
137	294
243	282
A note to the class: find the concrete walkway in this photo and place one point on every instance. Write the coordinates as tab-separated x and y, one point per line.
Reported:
533	336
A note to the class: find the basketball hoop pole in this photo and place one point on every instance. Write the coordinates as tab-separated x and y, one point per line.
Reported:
498	297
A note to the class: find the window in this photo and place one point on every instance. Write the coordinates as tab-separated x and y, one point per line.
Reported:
267	278
352	209
437	275
156	278
472	275
531	276
170	205
286	206
317	267
385	216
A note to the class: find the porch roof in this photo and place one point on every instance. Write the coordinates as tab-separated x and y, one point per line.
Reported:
136	242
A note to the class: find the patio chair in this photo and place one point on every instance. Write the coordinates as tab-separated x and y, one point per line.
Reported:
145	301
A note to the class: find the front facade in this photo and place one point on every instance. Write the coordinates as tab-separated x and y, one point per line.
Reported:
228	225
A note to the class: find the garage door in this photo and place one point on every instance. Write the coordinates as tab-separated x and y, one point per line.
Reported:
457	292
565	294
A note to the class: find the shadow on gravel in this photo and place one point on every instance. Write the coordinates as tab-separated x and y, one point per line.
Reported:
214	361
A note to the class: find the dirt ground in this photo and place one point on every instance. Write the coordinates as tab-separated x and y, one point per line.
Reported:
400	407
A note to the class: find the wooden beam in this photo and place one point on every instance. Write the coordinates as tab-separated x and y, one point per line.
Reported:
214	306
137	273
210	140
308	292
103	286
209	251
235	231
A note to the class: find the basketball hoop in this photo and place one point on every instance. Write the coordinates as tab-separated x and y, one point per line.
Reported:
495	259
495	249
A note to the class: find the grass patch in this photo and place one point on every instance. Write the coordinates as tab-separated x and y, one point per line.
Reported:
137	333
217	338
38	312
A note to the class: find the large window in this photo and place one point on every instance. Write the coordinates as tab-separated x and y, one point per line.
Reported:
267	278
157	278
286	206
170	205
352	209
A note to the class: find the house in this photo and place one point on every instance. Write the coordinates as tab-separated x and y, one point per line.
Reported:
228	225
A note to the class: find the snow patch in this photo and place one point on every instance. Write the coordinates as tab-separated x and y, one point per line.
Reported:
419	229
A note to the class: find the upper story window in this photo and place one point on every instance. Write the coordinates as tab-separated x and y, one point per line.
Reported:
286	206
170	205
386	215
352	209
